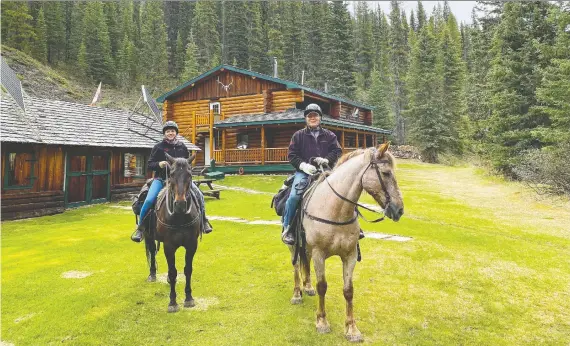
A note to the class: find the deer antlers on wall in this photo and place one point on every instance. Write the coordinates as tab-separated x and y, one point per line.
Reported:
225	87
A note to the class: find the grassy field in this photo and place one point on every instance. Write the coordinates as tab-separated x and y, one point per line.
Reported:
487	265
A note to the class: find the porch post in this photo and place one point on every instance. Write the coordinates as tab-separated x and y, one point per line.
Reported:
262	145
342	141
224	146
193	138
211	135
357	140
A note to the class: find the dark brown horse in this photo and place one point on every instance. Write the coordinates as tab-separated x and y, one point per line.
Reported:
178	223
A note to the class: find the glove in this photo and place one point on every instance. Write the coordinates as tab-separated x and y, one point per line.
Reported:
309	169
321	161
162	164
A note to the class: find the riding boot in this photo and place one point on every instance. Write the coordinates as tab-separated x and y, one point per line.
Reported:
207	225
287	236
137	236
361	234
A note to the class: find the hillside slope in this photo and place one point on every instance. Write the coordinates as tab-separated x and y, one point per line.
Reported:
58	83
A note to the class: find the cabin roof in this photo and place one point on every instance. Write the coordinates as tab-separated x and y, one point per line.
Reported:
291	116
66	123
288	84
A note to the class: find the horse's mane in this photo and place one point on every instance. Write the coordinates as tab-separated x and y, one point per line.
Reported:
368	152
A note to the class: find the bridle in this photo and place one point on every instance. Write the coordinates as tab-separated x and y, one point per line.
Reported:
373	163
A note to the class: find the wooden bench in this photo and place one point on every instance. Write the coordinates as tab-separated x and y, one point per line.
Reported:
212	193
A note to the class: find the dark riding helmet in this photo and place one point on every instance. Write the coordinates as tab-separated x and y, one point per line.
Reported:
313	107
169	125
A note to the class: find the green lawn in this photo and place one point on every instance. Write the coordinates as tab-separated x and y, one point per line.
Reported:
487	265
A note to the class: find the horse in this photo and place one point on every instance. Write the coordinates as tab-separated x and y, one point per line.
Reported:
329	219
178	223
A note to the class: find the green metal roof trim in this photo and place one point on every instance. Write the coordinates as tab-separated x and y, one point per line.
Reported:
288	84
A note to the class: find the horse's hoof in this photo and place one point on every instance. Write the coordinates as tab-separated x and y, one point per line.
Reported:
151	278
189	303
296	300
173	308
354	337
310	291
323	328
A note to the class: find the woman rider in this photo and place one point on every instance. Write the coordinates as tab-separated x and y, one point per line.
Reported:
157	162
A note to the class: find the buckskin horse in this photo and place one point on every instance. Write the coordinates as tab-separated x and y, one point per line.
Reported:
178	223
329	218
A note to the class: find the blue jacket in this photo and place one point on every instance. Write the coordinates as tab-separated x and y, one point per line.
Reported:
304	147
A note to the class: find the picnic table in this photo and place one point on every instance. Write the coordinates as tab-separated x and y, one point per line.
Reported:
211	192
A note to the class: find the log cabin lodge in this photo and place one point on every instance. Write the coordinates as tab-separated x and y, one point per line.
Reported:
244	120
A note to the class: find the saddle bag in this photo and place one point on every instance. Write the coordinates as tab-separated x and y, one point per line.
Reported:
139	199
280	198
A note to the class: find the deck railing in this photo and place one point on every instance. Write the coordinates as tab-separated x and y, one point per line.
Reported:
244	156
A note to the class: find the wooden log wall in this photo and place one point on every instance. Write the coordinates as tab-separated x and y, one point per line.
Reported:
283	100
32	204
250	104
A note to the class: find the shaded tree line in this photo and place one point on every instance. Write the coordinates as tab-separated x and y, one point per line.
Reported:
497	87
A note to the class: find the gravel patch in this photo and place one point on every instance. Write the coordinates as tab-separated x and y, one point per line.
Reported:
382	236
73	274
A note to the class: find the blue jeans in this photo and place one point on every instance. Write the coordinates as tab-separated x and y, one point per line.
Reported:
153	192
299	186
155	188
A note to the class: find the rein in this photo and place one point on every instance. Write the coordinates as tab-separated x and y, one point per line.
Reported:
373	163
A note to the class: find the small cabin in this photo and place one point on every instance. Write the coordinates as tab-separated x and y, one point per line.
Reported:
57	155
244	120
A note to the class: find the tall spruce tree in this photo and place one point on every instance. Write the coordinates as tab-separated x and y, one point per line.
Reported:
206	34
39	48
76	31
191	61
236	32
430	130
98	60
153	56
17	29
515	76
398	65
342	55
55	22
364	46
275	34
255	39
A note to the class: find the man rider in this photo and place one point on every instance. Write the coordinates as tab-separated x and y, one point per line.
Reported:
310	146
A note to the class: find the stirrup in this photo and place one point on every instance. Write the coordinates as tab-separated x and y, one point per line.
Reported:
137	236
207	226
287	237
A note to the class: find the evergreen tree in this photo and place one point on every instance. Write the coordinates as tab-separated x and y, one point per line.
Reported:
206	34
379	97
453	73
364	45
316	64
76	31
17	29
275	34
256	48
236	22
430	130
98	60
39	49
398	66
191	61
515	76
111	10
125	62
55	22
554	93
153	57
82	63
422	17
342	51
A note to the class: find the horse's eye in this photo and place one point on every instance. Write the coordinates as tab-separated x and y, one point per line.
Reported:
386	174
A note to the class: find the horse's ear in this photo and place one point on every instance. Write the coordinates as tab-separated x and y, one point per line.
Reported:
383	148
169	158
191	158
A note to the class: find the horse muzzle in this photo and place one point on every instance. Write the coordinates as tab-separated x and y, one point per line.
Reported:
394	212
180	207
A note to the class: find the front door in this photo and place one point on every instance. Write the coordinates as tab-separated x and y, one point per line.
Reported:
207	153
88	178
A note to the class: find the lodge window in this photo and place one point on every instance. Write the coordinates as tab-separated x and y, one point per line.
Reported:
19	171
135	165
215	108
